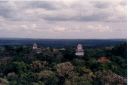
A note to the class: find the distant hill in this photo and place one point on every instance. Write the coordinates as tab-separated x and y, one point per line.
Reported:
62	42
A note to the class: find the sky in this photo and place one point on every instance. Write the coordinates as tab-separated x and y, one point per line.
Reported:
63	19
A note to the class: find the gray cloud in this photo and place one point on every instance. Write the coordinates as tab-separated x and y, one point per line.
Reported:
43	4
63	19
8	11
16	11
100	5
94	17
123	2
5	10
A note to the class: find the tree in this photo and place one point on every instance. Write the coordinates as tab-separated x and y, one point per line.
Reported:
65	69
3	82
38	65
110	78
48	77
78	62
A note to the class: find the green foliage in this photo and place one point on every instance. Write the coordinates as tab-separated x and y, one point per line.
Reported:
54	67
48	77
78	62
81	81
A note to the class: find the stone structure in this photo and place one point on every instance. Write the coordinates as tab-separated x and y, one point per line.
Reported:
34	46
79	50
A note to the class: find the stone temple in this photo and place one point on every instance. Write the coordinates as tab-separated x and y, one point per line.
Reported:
34	46
79	50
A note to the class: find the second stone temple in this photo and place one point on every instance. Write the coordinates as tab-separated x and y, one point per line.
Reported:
79	50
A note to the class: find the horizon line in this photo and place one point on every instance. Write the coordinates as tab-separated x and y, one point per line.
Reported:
64	38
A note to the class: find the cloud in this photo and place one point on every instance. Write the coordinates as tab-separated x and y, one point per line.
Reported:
63	18
59	29
48	5
99	28
66	29
73	10
100	5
